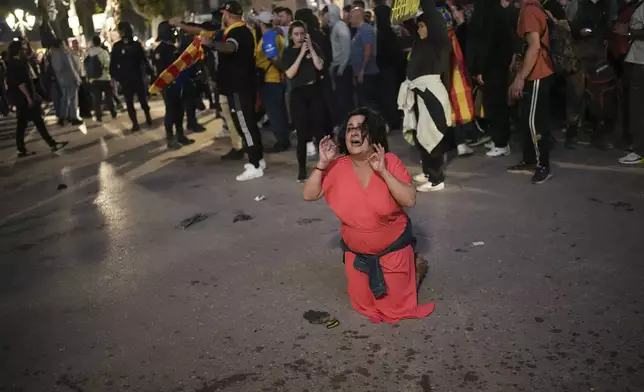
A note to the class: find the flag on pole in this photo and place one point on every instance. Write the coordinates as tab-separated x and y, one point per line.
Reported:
192	54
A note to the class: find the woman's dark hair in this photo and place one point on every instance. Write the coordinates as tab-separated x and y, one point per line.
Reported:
15	47
296	23
373	127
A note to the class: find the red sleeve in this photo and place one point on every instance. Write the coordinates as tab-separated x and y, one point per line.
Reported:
532	21
397	168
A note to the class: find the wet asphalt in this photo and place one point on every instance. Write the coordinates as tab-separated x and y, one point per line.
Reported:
101	289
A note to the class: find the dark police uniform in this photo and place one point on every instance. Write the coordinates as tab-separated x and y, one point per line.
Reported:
127	63
164	55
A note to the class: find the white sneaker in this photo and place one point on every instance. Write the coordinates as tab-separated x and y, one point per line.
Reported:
310	149
499	151
262	164
489	145
631	159
420	178
250	173
464	150
429	187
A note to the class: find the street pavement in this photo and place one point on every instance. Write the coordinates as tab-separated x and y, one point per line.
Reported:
101	290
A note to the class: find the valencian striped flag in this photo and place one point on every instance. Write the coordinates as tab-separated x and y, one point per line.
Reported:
192	54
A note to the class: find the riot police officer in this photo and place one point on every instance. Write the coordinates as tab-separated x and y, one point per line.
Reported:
164	55
190	93
127	64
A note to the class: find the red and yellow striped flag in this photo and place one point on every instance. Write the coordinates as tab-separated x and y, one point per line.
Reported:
192	54
460	92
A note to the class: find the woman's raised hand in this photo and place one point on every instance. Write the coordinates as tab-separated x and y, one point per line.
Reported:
377	159
328	152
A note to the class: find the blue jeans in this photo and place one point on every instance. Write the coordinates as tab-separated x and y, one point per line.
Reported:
275	106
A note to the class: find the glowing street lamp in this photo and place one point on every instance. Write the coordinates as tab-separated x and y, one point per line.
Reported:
20	20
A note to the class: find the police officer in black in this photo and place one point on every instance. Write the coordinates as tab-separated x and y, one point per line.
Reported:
164	55
191	96
127	64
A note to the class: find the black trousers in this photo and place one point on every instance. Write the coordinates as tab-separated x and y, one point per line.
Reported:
100	87
85	99
388	96
495	103
307	112
131	88
433	162
26	114
534	121
242	109
173	118
190	95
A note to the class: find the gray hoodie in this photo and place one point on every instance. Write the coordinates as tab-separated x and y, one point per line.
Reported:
340	40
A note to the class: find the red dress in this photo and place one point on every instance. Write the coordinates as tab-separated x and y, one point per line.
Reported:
371	221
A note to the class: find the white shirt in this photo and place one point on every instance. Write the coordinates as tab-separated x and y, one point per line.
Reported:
636	53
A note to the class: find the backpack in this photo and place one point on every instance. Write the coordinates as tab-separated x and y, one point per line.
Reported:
561	52
93	67
619	45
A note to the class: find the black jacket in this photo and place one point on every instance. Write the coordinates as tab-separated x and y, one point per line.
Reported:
128	61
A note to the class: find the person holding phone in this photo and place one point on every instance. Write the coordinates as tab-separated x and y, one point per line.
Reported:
302	61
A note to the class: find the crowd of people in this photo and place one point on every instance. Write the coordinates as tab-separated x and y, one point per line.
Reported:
304	72
347	79
518	61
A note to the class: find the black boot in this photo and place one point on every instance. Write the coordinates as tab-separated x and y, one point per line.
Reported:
172	144
148	119
183	140
233	155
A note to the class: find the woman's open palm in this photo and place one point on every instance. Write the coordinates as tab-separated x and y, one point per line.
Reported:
377	159
328	151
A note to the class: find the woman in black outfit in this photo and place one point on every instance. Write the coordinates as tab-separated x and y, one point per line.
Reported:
22	92
427	85
303	61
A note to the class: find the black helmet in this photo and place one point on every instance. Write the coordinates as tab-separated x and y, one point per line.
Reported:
125	29
166	31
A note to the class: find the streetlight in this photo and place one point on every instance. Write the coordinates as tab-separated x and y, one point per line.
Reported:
20	20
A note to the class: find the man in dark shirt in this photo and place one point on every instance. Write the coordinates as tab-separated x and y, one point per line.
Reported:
164	55
236	80
126	66
23	94
490	64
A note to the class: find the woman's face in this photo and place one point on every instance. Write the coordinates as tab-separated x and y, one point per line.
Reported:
422	30
298	35
356	139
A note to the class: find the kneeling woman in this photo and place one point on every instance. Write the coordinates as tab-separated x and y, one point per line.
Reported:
367	188
424	99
